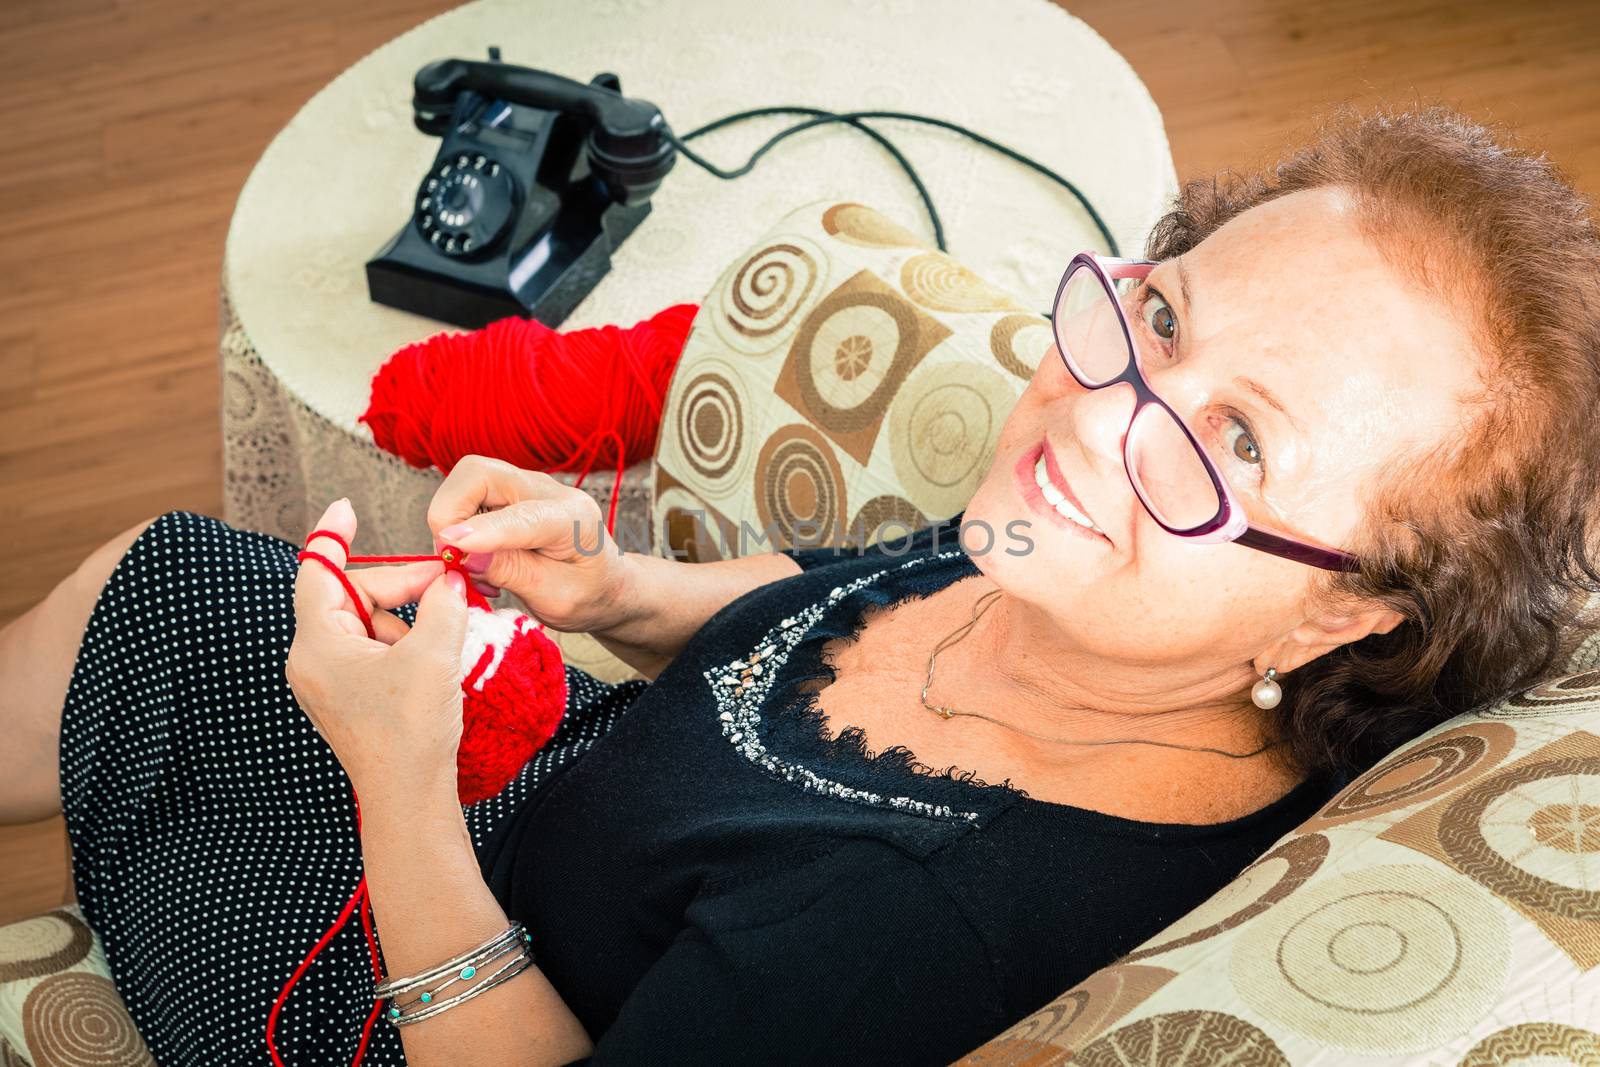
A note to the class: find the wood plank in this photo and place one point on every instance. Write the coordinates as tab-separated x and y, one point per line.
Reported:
33	868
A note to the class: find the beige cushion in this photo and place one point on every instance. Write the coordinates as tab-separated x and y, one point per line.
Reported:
58	1007
842	374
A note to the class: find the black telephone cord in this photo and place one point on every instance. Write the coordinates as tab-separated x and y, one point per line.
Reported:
852	118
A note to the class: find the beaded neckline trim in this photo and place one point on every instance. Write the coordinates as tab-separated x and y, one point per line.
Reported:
742	687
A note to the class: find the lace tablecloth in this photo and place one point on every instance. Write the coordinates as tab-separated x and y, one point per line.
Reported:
301	340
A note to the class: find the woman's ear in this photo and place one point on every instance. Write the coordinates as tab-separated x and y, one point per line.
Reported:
1388	619
1328	631
1354	626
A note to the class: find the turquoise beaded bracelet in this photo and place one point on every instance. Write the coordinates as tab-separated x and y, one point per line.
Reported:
462	967
402	1015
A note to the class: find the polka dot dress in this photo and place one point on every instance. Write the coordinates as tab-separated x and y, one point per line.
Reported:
213	829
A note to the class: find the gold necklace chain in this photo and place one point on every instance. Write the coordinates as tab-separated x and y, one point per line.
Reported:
982	606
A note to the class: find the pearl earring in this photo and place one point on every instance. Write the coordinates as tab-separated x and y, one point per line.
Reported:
1267	692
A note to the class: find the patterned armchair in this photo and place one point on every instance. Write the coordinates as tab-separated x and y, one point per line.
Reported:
1445	907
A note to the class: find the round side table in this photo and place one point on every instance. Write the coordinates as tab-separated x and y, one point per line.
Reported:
301	339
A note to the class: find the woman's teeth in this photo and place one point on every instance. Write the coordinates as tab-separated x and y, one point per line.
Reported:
1057	500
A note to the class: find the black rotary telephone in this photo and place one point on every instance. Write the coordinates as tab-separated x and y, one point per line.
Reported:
539	178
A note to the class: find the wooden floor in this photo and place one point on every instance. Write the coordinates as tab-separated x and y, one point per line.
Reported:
131	125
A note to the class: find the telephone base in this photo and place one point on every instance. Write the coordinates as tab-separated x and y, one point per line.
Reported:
546	281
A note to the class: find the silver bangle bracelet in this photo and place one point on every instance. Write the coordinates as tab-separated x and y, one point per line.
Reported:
430	995
522	961
465	965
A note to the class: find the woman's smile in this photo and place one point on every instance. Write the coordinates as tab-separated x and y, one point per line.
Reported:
1040	483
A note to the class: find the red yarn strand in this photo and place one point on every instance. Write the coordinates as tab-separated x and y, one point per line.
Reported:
332	536
451	557
358	897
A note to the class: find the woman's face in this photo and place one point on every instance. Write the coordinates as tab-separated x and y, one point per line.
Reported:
1366	366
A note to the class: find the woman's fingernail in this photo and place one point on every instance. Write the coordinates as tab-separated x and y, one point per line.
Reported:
451	533
455	581
485	588
477	562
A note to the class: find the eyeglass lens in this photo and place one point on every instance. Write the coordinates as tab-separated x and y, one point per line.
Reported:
1167	471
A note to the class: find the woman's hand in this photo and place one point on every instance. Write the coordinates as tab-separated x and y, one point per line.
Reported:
389	708
542	540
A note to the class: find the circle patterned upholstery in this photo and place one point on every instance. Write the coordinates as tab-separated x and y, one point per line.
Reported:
57	1000
843	379
1443	908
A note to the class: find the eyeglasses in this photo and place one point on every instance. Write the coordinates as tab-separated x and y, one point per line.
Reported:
1175	479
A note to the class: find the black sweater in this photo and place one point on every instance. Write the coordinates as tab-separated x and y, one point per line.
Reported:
716	880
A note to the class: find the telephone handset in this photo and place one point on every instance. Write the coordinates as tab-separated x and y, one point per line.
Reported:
538	180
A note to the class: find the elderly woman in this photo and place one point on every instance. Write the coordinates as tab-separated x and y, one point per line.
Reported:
1319	474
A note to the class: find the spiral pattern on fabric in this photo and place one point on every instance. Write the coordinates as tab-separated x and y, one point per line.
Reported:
76	1020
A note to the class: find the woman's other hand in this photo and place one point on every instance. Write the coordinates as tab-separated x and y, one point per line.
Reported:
390	707
542	540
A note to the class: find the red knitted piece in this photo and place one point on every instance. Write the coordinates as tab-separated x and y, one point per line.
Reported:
514	684
515	696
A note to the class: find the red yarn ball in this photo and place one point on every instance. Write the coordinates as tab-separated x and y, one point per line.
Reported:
537	398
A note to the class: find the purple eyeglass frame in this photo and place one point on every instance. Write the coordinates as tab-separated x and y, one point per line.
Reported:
1229	522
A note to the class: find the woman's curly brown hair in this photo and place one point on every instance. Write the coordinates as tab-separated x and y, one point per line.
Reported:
1486	542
